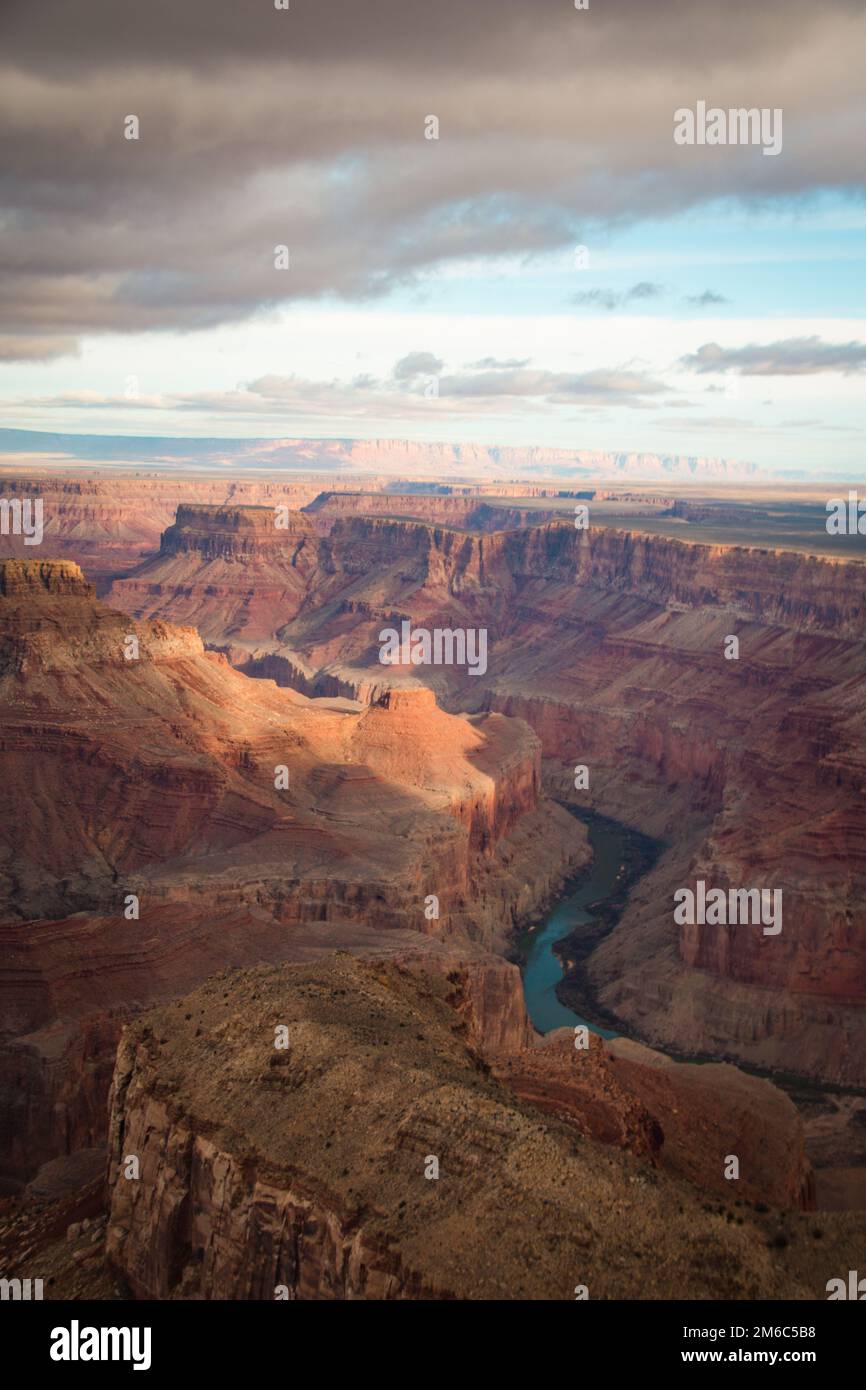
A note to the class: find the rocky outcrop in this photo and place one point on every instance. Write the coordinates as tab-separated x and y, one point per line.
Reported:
236	573
689	1120
237	532
25	578
374	1156
171	815
108	525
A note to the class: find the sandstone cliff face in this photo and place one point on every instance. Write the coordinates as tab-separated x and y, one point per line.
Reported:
793	590
155	777
303	1169
237	532
231	571
611	645
22	578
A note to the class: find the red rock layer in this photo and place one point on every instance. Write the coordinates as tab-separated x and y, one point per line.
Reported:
107	525
690	1120
611	645
155	777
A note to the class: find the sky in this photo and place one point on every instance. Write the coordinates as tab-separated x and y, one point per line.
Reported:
553	269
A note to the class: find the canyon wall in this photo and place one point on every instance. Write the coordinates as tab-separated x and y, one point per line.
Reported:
109	524
782	587
241	821
612	645
305	1172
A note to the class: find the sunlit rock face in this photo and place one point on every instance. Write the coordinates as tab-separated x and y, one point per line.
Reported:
164	815
611	645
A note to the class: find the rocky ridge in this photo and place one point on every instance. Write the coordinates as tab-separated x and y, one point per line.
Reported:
300	1171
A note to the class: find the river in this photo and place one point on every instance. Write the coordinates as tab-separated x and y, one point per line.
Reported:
619	857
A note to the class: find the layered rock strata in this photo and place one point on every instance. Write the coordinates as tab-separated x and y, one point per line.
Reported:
165	815
612	645
380	1155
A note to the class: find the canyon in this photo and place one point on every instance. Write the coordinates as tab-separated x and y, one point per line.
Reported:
244	822
611	646
293	820
353	1162
109	523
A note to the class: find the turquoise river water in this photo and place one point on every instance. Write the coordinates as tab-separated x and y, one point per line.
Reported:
543	970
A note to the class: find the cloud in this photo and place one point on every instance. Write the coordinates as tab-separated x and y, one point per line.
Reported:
416	364
402	396
25	349
96	400
601	387
305	128
495	365
787	357
707	422
615	299
644	290
706	299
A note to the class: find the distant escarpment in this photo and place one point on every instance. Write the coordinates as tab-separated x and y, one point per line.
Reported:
349	1129
715	695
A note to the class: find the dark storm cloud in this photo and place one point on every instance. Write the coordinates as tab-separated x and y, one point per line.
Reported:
57	34
305	128
788	357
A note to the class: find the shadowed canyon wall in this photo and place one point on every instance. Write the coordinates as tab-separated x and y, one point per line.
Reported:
612	646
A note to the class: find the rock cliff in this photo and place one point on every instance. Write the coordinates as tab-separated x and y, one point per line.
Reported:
612	644
307	1171
163	814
